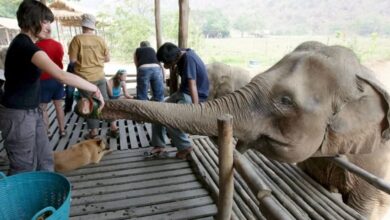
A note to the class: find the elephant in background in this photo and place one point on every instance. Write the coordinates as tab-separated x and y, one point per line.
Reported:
225	79
316	101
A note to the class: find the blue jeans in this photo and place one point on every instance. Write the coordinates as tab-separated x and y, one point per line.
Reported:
150	76
180	140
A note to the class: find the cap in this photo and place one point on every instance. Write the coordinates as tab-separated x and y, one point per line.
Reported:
88	21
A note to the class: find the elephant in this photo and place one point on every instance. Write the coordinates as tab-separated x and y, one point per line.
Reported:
317	101
225	79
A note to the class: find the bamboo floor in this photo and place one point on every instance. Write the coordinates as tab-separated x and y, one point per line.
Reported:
125	185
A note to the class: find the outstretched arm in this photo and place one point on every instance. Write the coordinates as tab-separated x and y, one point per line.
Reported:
109	87
125	92
43	62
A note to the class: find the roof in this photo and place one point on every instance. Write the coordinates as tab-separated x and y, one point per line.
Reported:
9	23
66	13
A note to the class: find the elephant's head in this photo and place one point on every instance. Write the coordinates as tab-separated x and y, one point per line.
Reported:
318	100
225	79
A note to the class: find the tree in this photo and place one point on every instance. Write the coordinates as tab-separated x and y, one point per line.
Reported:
215	24
250	23
8	8
128	25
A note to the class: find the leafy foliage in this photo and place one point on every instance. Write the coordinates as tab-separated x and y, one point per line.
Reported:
8	8
133	21
214	23
127	27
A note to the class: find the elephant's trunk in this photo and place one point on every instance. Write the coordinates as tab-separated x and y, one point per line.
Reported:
192	118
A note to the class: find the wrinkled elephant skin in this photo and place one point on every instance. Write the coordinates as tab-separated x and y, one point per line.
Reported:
316	101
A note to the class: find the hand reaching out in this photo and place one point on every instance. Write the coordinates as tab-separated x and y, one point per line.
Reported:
98	95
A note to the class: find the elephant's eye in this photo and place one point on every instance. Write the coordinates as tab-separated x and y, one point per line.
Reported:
286	100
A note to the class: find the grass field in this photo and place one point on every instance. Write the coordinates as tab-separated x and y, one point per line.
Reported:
268	50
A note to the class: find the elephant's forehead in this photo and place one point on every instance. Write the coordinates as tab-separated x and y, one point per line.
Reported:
314	69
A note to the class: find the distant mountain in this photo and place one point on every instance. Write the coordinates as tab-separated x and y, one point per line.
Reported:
289	16
308	16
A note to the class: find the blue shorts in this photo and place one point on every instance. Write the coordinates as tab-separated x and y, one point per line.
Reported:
51	89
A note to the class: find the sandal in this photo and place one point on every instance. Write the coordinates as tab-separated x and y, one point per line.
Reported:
62	133
88	136
157	150
184	154
113	133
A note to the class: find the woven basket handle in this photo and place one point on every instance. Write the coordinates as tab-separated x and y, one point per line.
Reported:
44	213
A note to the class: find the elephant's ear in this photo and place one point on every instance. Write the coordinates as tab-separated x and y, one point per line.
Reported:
367	75
361	123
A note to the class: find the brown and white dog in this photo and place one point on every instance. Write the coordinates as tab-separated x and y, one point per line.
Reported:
80	154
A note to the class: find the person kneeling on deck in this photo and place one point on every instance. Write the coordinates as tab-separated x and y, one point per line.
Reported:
194	88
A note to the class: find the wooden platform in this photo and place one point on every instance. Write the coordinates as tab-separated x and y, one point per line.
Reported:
295	192
125	185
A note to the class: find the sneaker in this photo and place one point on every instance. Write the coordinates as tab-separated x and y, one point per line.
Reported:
184	154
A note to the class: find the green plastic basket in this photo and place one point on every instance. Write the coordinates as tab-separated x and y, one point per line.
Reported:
35	196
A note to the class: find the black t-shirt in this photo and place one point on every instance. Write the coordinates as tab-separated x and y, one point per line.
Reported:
146	55
21	89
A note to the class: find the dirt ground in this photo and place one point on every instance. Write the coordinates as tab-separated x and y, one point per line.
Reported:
382	71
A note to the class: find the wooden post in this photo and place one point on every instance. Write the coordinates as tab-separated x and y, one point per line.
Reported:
183	35
157	20
173	80
379	183
7	35
226	181
58	31
268	206
248	174
184	10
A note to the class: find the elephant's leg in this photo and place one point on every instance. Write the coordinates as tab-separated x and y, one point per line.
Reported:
369	201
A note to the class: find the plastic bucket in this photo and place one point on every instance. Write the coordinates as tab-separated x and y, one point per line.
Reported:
34	195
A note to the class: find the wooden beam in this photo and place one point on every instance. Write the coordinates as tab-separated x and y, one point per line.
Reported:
379	183
7	35
183	35
268	205
157	20
226	179
58	31
184	11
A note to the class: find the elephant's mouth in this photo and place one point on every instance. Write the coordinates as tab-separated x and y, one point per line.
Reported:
269	144
272	141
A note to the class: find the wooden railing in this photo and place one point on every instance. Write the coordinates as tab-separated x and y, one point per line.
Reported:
131	78
229	159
